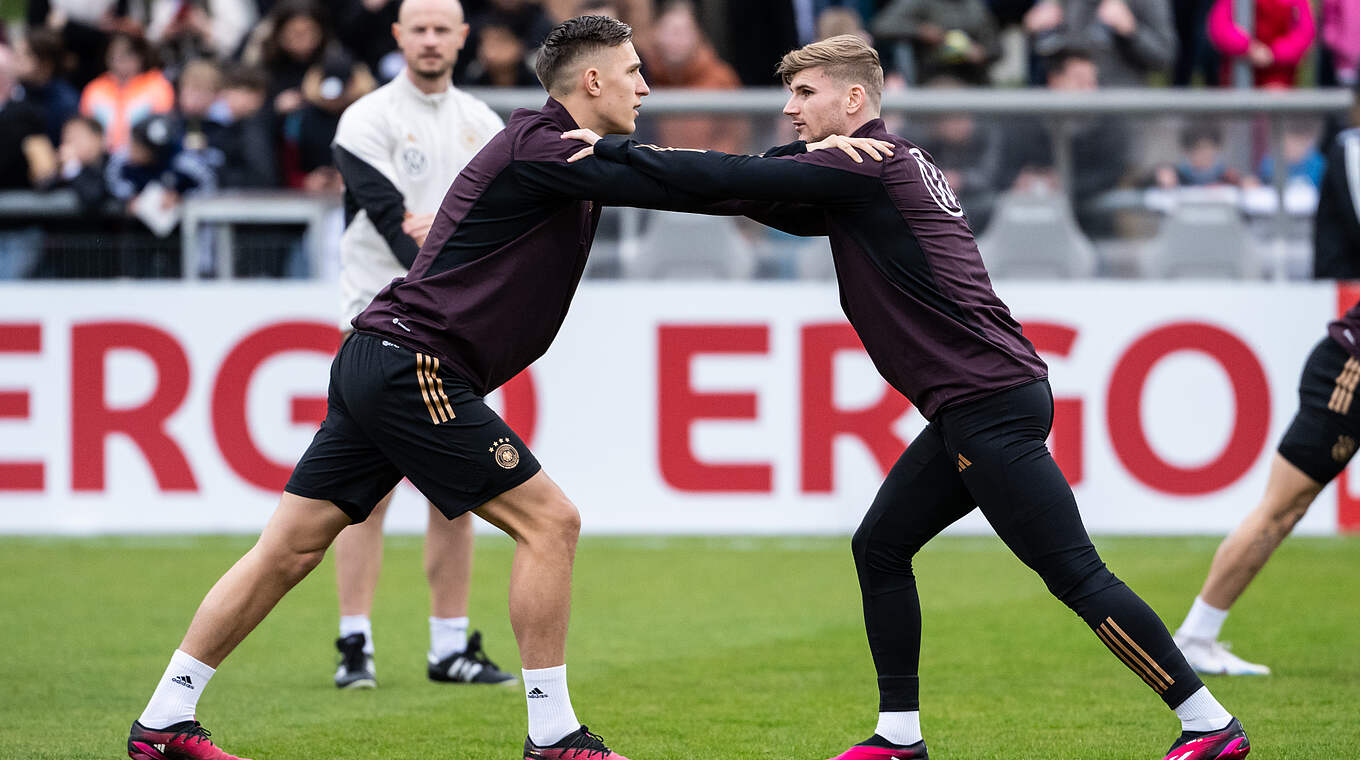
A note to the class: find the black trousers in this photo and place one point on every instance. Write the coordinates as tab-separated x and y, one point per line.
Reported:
992	454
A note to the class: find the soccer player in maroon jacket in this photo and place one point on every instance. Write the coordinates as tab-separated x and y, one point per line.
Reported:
484	298
913	286
1318	445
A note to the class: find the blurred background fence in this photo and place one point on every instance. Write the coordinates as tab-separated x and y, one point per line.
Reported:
1056	185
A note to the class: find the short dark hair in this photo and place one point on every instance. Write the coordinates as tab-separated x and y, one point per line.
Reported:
572	39
46	46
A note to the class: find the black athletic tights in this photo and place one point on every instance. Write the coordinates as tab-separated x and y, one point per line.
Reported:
991	453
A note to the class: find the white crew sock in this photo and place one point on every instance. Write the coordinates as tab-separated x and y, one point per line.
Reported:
1203	621
176	696
447	636
351	624
1201	712
550	713
901	728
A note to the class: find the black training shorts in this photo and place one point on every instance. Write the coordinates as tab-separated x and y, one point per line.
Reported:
392	411
1322	438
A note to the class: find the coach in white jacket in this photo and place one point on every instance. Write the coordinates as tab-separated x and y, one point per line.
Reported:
398	149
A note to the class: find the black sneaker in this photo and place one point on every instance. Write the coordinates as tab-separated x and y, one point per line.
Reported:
356	668
878	748
577	745
468	666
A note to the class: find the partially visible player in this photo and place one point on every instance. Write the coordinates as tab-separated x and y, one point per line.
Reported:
915	290
1319	442
398	149
1315	449
484	298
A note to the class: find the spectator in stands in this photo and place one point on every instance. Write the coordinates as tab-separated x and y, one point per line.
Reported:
951	37
1201	163
500	59
836	21
357	21
312	79
1339	53
1127	39
1193	52
132	90
769	29
84	27
184	30
154	157
1303	161
1282	31
40	66
295	38
683	57
1099	147
246	137
27	158
200	82
328	89
526	17
83	162
1336	229
969	153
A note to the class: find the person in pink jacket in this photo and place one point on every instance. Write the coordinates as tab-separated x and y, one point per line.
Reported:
1283	31
1341	39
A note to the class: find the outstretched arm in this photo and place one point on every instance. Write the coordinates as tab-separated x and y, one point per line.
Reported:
825	178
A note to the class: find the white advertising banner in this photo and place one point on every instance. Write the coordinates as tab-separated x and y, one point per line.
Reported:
661	408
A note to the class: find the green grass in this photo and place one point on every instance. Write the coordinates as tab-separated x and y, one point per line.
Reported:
680	648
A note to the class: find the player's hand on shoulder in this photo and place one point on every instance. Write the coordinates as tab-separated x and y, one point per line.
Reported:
586	136
876	149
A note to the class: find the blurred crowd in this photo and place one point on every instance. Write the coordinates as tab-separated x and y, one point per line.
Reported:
110	97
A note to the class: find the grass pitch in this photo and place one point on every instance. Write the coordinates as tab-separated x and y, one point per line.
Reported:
680	649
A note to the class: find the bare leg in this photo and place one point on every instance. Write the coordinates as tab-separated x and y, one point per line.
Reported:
1289	492
358	560
545	526
292	544
448	563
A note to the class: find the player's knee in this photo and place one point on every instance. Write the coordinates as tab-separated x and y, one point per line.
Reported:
873	550
560	520
1074	582
295	565
1285	516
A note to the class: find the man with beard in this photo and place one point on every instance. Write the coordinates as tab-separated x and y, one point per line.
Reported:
398	149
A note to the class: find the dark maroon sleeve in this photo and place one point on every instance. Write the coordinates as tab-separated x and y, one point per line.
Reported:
817	177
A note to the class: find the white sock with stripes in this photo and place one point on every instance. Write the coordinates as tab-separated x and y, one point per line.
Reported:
176	696
901	728
550	713
1201	712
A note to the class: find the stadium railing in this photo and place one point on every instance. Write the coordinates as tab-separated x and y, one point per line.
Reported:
210	224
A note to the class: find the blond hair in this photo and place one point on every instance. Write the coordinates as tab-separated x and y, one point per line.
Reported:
845	58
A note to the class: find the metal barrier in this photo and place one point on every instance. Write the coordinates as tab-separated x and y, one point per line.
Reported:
1061	109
